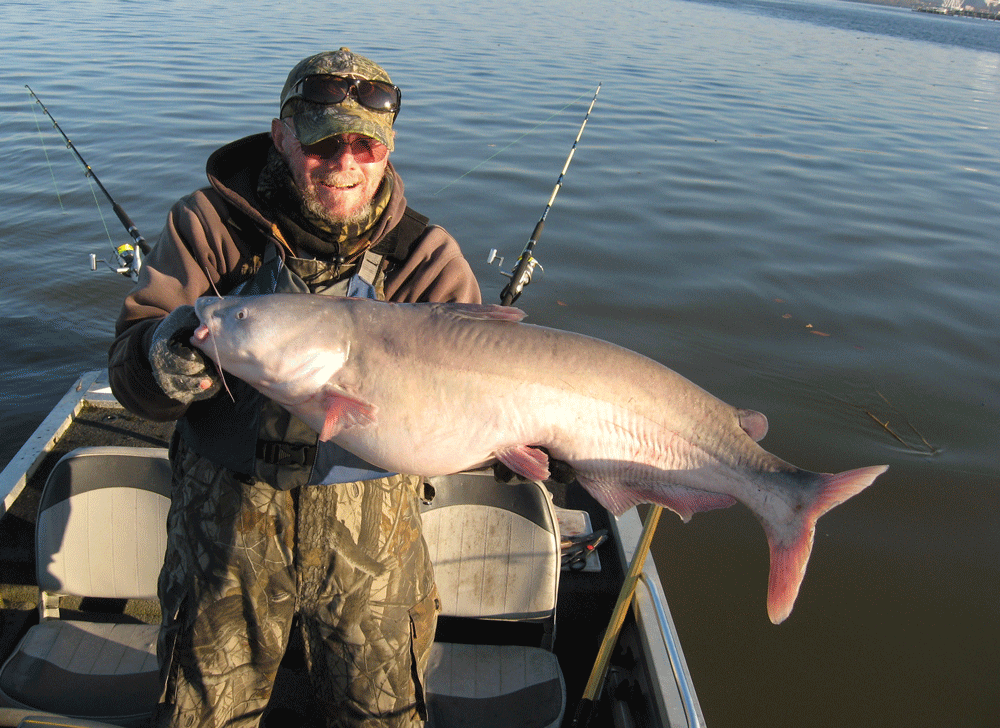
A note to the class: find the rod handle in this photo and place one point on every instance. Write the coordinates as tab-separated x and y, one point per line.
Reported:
583	714
130	227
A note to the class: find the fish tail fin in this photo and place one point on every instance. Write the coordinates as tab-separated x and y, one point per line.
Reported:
790	547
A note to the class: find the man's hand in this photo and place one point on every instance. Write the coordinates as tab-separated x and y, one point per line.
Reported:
183	372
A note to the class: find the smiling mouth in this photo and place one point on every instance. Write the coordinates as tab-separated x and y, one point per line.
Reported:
338	182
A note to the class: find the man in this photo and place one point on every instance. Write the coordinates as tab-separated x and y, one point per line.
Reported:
267	524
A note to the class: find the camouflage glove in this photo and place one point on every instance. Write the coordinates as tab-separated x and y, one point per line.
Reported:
184	373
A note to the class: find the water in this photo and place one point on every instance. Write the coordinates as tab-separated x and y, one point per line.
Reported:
794	203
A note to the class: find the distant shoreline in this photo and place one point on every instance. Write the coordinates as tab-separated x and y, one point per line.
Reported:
985	14
923	7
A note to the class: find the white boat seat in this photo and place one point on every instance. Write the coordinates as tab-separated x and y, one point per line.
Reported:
495	550
101	532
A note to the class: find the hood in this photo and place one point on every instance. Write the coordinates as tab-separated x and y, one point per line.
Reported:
233	171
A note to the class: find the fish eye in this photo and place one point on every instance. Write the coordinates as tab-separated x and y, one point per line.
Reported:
242	314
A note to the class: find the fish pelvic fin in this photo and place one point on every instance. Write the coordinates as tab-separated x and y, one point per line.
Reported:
528	462
790	547
343	412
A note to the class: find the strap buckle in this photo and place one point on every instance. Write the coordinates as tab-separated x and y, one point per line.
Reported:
286	454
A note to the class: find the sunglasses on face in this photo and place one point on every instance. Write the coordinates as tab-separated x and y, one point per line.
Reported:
374	95
365	150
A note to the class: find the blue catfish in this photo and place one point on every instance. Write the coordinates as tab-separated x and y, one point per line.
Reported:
434	389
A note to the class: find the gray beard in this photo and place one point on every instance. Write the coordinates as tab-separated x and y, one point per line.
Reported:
312	204
319	211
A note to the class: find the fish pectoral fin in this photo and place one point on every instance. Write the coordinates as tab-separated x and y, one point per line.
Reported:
484	311
753	423
528	462
343	412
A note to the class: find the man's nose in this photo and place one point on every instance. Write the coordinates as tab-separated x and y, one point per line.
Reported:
341	158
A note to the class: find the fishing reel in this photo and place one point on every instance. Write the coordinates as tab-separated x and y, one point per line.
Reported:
129	261
519	277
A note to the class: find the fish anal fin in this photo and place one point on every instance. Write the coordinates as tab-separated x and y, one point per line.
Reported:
612	497
685	502
753	423
484	312
790	547
344	412
528	462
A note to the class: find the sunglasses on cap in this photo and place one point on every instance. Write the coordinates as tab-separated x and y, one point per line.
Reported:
364	149
323	89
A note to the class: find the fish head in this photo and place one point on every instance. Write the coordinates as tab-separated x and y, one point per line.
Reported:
271	342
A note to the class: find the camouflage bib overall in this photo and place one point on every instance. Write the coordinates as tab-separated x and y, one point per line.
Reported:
248	553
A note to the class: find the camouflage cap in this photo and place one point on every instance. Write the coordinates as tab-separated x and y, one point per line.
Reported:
316	122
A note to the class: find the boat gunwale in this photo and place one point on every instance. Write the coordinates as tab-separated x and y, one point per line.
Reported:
90	388
657	632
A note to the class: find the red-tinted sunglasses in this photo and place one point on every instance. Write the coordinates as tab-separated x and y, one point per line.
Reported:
364	149
374	95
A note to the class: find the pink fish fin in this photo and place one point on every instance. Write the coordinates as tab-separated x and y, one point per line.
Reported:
528	462
753	423
343	412
484	311
685	502
791	546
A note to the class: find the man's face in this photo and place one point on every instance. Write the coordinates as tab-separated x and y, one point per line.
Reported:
334	183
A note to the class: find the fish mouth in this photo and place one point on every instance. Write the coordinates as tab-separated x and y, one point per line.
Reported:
202	308
200	335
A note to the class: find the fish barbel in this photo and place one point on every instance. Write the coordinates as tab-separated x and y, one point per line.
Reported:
435	389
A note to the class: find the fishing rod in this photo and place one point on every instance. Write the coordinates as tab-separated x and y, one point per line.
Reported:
129	256
585	708
526	264
519	278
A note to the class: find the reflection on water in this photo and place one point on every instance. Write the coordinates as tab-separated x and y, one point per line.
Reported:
792	203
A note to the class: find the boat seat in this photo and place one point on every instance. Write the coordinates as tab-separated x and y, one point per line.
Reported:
101	533
495	550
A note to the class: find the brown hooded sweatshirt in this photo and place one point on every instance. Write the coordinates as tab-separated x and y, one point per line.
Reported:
216	238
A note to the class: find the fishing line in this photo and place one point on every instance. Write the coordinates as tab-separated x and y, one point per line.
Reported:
501	151
526	264
45	151
97	202
129	257
100	213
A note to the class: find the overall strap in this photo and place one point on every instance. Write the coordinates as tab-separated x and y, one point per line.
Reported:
395	245
397	242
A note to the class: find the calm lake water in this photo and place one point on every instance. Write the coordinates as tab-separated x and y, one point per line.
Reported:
794	203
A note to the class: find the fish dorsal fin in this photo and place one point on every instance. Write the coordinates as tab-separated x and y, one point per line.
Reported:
753	423
482	311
